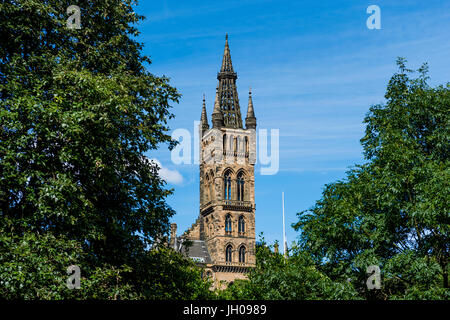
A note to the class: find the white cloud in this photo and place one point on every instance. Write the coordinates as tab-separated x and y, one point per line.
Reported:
171	176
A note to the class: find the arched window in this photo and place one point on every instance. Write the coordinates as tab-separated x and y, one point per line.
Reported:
246	144
240	186
228	223
242	254
227	186
241	225
228	252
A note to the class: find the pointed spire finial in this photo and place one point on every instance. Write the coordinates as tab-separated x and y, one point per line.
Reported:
250	120
204	118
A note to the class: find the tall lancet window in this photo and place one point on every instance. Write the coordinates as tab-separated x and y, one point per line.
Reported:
240	186
228	224
246	145
224	143
227	186
228	252
241	225
242	254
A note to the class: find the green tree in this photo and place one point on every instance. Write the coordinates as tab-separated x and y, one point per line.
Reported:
33	266
78	111
392	211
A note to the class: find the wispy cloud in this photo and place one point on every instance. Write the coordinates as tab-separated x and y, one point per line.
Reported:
171	176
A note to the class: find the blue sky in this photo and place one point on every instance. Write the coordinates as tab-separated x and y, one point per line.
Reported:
314	68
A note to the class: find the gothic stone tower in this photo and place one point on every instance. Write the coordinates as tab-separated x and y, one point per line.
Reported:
224	234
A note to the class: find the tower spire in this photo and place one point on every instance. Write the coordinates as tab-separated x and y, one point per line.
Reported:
250	120
204	118
228	97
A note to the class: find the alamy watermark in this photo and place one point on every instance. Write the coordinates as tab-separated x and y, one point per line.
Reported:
73	282
374	280
74	20
374	20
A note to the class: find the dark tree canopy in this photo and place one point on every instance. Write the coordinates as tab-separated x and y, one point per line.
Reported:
392	211
78	111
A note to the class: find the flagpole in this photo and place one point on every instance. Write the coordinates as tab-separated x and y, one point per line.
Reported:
284	228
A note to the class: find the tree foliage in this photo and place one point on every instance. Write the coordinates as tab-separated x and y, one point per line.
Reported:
392	211
78	111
